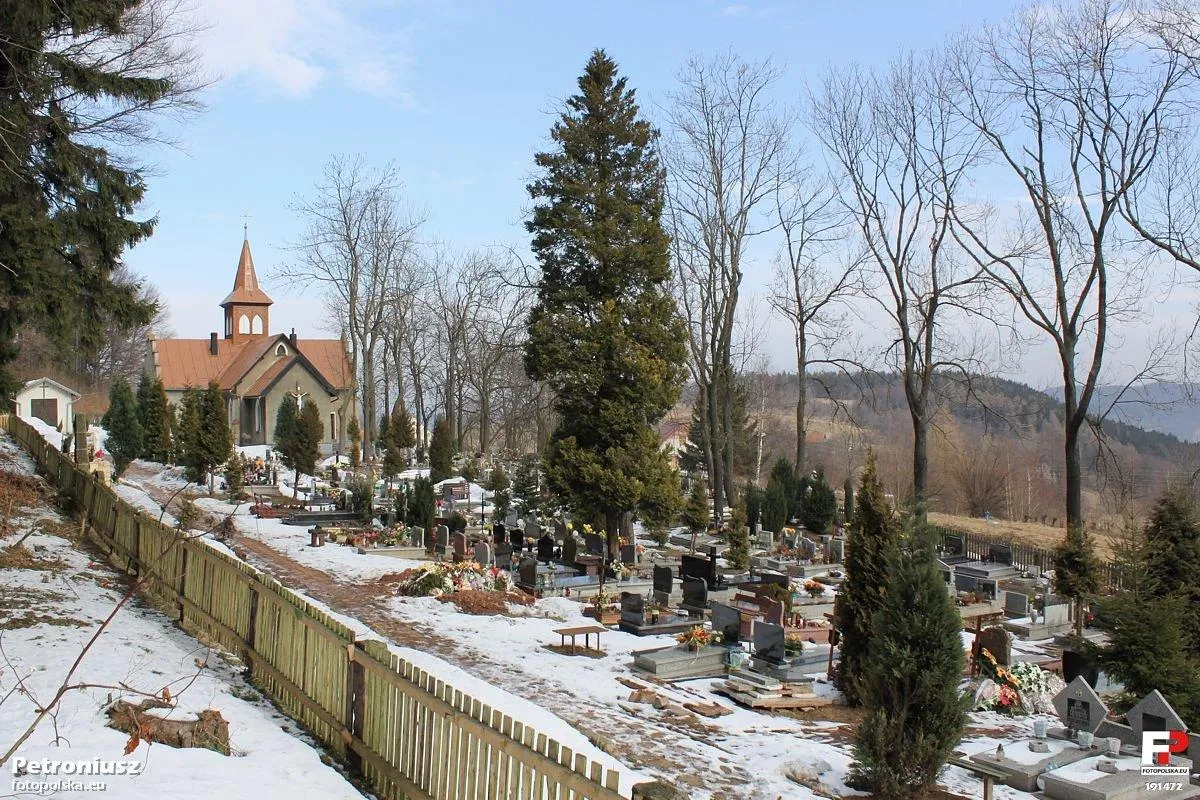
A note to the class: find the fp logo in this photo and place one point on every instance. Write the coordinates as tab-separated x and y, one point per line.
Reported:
1157	746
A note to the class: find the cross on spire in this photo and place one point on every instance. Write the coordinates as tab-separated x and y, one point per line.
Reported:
245	224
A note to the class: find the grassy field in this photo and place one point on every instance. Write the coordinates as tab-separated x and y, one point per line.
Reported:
1024	532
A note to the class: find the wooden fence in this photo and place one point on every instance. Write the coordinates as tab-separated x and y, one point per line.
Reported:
407	732
1024	556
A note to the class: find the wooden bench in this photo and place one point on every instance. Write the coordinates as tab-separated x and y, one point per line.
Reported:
989	774
583	630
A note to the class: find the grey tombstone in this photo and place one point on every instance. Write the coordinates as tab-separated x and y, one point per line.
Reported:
527	573
664	584
808	548
765	540
695	595
1057	614
459	542
834	550
1079	707
633	609
594	544
570	551
503	552
1016	604
998	642
442	543
560	529
418	537
1153	713
485	553
726	621
512	521
532	529
769	642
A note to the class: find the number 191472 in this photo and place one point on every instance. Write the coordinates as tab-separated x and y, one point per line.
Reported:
1160	786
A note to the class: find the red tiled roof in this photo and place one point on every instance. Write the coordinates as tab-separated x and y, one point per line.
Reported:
267	378
245	283
187	362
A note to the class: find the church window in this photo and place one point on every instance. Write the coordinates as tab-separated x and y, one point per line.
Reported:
281	349
243	324
258	324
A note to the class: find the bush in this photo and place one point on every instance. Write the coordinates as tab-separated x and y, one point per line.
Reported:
362	494
189	516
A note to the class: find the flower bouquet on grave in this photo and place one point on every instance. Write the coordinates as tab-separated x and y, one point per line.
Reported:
620	571
695	638
793	644
814	588
368	538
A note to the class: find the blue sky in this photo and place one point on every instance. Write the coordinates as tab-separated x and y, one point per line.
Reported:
460	95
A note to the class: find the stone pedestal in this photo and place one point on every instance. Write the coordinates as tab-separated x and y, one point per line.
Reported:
679	663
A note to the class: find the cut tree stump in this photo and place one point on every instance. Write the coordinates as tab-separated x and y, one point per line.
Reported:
209	730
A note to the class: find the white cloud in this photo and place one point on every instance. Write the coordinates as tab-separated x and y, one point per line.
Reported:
295	45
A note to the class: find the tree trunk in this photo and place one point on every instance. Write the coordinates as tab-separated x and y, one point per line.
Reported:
370	408
920	496
713	453
801	401
1074	473
485	422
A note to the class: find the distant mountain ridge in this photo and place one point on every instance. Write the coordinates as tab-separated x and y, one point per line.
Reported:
1170	408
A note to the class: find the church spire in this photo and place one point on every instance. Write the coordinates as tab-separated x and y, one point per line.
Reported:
247	307
245	282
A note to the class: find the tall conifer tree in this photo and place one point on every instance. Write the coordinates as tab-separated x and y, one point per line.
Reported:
215	440
121	423
154	413
870	548
605	333
1172	558
441	451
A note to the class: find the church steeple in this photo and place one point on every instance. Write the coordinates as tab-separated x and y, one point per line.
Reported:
247	307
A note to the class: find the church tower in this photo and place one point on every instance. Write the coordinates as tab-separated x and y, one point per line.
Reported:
247	307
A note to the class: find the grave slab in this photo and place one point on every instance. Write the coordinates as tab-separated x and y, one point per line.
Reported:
1083	781
680	663
1023	766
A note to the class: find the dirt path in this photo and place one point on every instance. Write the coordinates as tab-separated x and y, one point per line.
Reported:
683	749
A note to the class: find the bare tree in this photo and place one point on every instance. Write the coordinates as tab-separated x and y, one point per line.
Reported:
901	156
1073	102
726	151
812	281
357	238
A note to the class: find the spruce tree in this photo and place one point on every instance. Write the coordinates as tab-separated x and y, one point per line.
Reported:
525	487
396	439
285	430
381	435
745	436
441	451
307	441
909	682
1076	570
604	334
422	508
1172	557
871	546
187	431
697	514
215	439
125	433
235	476
67	205
498	484
775	505
737	554
355	435
818	506
159	442
752	500
145	390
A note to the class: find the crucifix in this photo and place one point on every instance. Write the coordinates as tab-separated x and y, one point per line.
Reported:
245	224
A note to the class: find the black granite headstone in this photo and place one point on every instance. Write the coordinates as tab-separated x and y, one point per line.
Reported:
769	642
954	545
728	622
1000	553
527	573
628	554
545	548
594	544
516	538
570	550
633	609
695	594
499	536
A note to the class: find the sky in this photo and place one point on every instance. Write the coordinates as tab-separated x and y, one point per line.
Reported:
459	95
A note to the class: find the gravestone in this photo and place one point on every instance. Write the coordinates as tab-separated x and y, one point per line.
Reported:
512	521
698	567
1153	713
834	551
765	540
773	612
633	609
532	529
1079	707
499	536
726	621
1057	614
417	537
998	642
954	546
1016	604
1000	553
503	554
459	542
570	551
441	544
527	574
516	540
545	548
628	554
593	544
485	553
664	584
560	529
769	643
695	595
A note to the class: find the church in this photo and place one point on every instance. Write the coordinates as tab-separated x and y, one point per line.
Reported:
256	369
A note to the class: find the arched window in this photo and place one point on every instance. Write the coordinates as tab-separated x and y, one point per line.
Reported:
257	324
243	324
281	349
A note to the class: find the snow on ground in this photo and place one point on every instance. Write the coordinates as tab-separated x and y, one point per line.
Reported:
57	611
48	432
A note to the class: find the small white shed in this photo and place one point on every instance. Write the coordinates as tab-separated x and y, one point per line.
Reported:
49	401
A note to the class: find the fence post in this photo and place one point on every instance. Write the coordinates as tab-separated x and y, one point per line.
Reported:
182	582
252	626
356	699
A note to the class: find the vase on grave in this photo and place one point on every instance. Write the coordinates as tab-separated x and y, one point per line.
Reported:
694	647
1040	727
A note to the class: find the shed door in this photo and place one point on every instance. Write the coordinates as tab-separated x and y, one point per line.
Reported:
45	409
